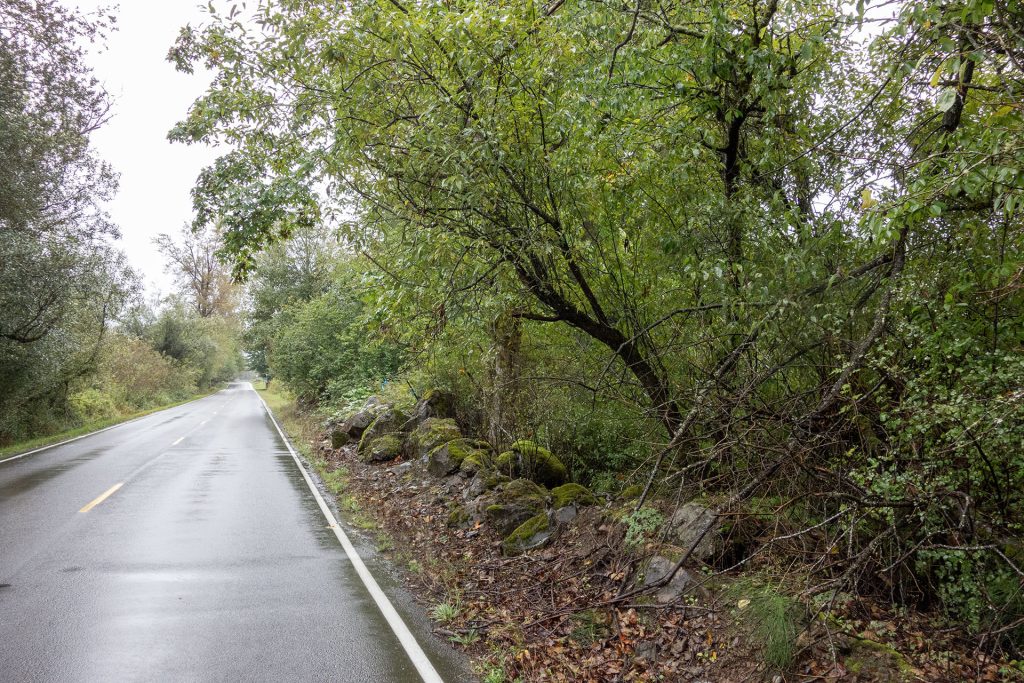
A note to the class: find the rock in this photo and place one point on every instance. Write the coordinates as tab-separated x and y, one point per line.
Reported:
564	515
434	403
431	433
352	428
533	533
688	522
339	437
512	504
448	457
482	482
478	462
656	569
572	494
383	448
527	459
402	468
389	421
459	518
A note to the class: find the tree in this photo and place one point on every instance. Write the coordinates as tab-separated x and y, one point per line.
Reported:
60	281
784	243
198	271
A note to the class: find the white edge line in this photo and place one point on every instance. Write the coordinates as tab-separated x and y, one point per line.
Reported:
100	431
412	648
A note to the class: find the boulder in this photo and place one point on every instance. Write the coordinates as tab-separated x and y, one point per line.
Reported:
687	524
513	503
681	583
383	448
459	518
527	459
448	457
481	482
429	434
533	533
434	403
352	427
571	494
389	421
477	463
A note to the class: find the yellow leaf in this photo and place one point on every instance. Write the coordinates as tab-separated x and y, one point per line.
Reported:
937	75
742	604
866	202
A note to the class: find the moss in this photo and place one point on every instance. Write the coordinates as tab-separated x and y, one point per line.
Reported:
458	517
878	660
477	461
527	459
631	492
387	447
431	433
525	534
569	494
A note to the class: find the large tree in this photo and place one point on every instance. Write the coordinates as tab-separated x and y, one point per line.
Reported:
801	245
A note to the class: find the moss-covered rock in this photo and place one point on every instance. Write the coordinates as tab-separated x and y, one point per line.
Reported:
383	448
513	503
459	517
479	461
431	433
527	459
532	533
571	494
448	457
434	403
339	437
389	421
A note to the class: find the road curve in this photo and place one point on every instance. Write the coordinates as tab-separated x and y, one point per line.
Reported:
183	546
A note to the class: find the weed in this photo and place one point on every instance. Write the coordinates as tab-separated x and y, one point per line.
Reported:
467	638
445	612
773	619
415	567
642	524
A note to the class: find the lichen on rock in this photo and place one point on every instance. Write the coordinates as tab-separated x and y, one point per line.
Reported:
527	459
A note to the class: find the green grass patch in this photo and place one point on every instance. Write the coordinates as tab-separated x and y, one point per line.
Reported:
40	441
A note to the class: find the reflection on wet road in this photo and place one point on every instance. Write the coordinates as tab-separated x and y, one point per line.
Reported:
183	546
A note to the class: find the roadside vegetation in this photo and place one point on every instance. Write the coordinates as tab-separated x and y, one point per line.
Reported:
80	347
763	258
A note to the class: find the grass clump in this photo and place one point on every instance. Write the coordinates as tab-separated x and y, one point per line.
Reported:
771	617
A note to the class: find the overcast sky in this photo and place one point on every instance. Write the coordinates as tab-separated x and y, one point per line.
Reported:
149	97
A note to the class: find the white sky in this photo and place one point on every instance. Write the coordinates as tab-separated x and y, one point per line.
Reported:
149	97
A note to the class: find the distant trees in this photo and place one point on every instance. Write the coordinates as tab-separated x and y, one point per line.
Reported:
201	277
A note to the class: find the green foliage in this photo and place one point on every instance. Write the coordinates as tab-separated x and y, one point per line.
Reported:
737	232
773	619
642	524
445	612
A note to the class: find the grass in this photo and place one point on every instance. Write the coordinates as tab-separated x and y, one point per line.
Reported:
445	612
20	447
772	618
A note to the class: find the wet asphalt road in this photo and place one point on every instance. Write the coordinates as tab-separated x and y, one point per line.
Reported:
211	561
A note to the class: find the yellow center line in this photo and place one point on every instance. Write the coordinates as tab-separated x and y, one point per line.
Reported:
102	497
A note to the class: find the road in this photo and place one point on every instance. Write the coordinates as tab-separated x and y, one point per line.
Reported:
183	546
